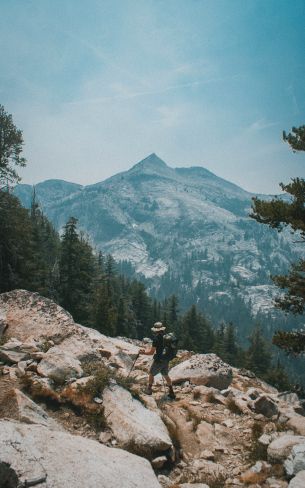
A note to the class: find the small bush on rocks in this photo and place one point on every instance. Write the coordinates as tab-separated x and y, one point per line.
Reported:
100	380
102	377
3	340
46	345
233	407
196	394
258	452
96	419
37	390
210	397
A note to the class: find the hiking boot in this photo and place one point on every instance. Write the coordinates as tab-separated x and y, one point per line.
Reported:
171	393
148	390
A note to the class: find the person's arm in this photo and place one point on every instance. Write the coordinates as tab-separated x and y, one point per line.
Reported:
148	352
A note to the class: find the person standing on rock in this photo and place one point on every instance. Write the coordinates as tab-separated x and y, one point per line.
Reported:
160	361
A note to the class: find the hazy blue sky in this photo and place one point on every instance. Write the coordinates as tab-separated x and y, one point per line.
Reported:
98	85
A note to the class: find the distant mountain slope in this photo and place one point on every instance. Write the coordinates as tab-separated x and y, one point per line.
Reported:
185	230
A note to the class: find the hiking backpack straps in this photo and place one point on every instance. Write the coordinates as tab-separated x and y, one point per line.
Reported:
170	346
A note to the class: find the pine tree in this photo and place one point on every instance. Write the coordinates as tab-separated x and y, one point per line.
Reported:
77	269
277	377
258	354
142	309
219	341
278	214
194	331
15	243
11	146
188	324
173	313
45	251
230	345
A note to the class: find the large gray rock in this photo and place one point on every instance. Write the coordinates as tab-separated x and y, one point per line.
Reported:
280	448
89	343
298	481
30	413
297	423
264	405
203	369
28	315
296	461
12	357
289	397
58	365
134	426
29	452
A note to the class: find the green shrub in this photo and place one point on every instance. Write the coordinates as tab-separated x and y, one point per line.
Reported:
95	386
257	452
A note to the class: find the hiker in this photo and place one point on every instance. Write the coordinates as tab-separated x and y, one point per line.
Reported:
161	359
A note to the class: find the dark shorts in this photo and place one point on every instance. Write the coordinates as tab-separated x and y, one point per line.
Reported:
159	366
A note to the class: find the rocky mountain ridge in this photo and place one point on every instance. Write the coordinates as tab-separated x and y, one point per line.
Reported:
73	412
184	230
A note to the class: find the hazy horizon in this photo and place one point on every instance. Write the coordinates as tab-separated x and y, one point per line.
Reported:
104	179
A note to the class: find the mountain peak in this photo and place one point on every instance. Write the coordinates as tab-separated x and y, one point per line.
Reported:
151	162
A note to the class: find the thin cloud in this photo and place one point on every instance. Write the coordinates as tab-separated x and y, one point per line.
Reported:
261	124
143	93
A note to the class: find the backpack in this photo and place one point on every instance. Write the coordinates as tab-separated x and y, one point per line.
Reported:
170	346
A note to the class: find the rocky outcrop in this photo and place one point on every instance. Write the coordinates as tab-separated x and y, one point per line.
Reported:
220	418
265	406
297	423
58	459
59	366
298	481
34	321
203	369
29	412
135	427
296	460
280	448
28	315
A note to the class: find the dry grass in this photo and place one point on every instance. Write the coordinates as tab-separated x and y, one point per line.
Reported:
257	452
37	390
80	401
281	426
218	483
210	397
249	477
193	415
8	407
3	340
196	394
101	377
233	407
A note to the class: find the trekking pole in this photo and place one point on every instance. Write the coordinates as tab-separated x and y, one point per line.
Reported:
133	364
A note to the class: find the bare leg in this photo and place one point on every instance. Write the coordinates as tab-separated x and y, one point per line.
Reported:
170	387
150	383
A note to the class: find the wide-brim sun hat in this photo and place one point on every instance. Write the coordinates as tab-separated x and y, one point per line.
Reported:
158	326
